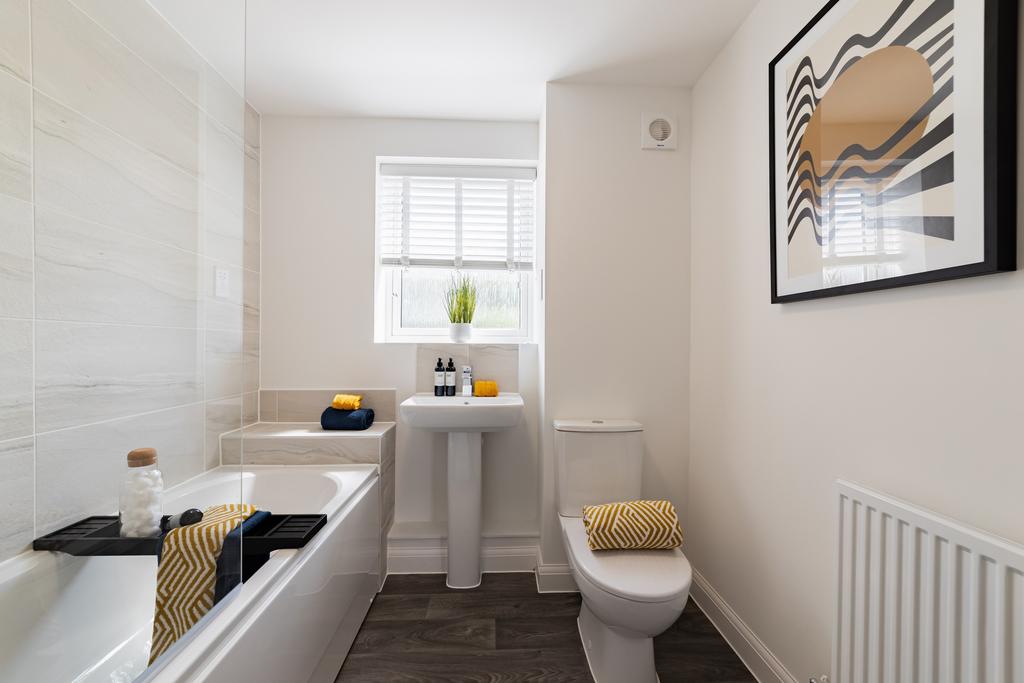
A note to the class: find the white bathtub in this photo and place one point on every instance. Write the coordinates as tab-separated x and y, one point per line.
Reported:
76	619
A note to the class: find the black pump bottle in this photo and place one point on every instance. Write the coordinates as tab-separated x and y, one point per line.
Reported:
449	379
439	379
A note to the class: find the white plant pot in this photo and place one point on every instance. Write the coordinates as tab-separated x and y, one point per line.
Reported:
460	332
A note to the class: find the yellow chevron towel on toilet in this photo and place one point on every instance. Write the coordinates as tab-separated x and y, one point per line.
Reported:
633	525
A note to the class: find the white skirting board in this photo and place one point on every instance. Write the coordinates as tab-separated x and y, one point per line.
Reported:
429	555
555	578
763	664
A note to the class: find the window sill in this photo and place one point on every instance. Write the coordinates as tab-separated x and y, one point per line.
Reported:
445	341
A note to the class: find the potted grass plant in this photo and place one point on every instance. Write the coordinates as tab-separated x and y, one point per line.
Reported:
460	303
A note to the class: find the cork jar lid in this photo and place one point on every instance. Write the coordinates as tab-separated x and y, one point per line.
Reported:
142	457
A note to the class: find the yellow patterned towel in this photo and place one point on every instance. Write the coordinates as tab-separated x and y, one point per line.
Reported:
485	387
347	402
638	524
187	573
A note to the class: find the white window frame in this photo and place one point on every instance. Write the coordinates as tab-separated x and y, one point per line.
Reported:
388	283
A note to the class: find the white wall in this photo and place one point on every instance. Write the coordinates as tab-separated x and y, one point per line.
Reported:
318	271
618	287
915	392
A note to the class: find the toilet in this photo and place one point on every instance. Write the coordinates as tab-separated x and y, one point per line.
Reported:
629	596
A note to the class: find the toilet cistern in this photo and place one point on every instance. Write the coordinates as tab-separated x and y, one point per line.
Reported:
465	419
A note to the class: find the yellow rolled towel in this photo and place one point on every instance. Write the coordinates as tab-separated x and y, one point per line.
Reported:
634	525
347	402
485	387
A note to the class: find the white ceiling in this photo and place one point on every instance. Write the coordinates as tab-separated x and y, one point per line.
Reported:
470	59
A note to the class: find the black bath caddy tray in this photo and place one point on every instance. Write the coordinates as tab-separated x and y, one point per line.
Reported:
99	536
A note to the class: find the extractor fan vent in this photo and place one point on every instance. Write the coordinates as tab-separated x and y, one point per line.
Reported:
657	131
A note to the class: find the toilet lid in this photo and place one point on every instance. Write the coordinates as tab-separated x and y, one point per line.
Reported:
640	575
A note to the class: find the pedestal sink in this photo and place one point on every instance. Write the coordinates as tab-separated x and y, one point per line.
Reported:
465	418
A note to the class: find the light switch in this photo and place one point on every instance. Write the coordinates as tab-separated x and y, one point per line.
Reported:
221	283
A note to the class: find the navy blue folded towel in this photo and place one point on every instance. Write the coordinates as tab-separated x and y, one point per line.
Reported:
232	568
346	420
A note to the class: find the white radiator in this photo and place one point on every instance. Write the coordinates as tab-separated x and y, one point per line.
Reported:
921	598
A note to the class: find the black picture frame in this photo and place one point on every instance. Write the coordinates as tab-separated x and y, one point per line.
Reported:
1000	160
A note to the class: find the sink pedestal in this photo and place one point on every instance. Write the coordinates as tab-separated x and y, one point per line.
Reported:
464	512
464	418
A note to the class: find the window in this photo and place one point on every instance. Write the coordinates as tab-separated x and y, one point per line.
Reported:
440	218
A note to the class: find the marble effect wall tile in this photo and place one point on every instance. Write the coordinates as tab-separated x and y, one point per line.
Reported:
140	153
17	486
15	137
252	180
88	373
90	273
250	408
83	66
90	172
251	300
222	102
498	362
251	241
306	405
222	312
253	131
144	31
297	451
223	160
250	362
15	258
15	378
221	417
387	497
14	38
268	444
268	405
78	471
223	364
222	222
139	27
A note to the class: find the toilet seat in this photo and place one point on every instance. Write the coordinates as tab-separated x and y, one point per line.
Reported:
651	576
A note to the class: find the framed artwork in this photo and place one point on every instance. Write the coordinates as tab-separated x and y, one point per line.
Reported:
893	136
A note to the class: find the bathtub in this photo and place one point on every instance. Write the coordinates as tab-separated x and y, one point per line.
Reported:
89	619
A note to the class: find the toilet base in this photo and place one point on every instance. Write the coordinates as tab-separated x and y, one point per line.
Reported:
613	654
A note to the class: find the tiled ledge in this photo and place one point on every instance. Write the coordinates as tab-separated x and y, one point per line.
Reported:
305	443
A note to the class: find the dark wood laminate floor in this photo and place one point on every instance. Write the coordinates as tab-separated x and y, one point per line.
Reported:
504	631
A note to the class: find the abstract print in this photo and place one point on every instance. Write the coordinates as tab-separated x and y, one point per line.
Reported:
869	146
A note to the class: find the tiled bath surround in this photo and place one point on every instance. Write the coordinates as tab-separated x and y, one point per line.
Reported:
129	174
289	433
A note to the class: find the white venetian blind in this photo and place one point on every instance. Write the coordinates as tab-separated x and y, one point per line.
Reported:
450	216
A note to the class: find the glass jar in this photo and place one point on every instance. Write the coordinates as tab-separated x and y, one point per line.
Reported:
140	502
